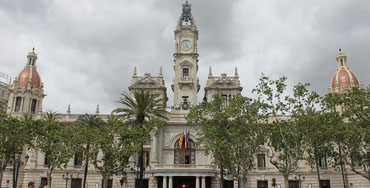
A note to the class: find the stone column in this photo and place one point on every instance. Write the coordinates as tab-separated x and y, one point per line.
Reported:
164	182
154	159
170	182
197	182
203	182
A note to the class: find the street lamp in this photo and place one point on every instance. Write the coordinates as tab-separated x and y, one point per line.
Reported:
66	177
300	180
136	171
16	164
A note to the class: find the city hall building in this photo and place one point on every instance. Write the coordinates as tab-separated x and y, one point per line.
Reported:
167	164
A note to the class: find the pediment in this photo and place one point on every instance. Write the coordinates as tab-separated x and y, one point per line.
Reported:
146	82
224	83
186	64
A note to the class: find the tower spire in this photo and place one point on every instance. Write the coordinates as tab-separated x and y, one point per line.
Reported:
160	71
236	72
135	73
210	72
186	17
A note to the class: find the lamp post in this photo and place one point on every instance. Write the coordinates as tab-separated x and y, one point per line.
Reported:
67	178
16	164
136	171
300	180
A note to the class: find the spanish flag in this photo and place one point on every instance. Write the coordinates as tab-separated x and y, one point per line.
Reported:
181	140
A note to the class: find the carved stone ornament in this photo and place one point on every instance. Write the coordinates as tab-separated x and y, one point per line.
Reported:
146	82
224	83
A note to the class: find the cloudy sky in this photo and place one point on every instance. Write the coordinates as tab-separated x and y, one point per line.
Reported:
87	49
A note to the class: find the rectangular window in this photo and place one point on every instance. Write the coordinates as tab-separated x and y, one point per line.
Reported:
33	106
185	72
261	161
44	181
18	102
46	161
2	93
78	160
146	158
323	163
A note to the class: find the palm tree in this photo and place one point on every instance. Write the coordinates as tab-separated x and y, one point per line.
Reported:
143	106
89	122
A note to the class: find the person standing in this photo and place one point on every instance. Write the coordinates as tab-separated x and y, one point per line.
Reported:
31	184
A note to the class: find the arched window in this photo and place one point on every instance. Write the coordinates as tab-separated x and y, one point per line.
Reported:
185	155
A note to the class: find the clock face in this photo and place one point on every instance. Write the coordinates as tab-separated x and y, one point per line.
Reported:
185	45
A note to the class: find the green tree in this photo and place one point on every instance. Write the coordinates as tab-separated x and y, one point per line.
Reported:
144	107
356	105
308	115
15	135
229	133
88	125
114	146
55	140
284	135
335	124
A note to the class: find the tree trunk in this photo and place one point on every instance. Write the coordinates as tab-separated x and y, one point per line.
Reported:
1	176
341	166
318	171
221	180
86	165
286	180
141	165
48	173
105	181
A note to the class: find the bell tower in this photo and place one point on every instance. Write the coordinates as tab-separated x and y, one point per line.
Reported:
185	85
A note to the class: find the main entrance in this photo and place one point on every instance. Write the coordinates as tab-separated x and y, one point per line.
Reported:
183	182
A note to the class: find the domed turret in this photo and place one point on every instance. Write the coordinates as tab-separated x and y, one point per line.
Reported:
26	92
29	77
343	78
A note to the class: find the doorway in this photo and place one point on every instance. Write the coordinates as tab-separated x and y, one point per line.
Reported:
228	184
76	183
325	183
293	184
183	182
262	184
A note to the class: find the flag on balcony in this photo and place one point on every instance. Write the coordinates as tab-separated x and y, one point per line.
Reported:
187	139
181	139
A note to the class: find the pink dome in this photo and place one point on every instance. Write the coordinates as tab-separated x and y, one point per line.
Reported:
25	75
344	79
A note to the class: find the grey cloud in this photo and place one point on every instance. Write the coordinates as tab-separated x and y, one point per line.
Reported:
87	49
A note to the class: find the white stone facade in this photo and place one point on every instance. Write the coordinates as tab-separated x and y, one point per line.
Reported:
163	169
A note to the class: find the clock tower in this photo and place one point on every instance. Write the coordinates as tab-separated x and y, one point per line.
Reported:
186	83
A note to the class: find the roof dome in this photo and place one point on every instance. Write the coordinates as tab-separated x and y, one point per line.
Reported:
24	78
29	74
343	78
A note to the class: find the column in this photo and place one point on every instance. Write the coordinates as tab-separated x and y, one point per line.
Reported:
154	159
197	182
164	182
203	182
170	182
